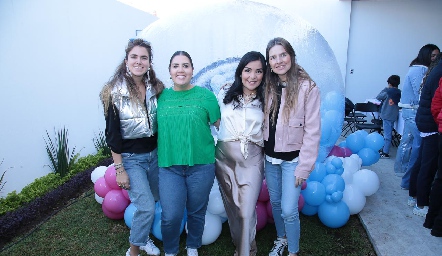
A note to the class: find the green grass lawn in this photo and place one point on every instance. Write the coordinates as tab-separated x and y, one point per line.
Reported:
82	229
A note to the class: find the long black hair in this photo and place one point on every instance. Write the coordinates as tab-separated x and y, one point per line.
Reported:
236	90
424	55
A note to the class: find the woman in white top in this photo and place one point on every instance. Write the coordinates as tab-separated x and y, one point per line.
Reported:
239	151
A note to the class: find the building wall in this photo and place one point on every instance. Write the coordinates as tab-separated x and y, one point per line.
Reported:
385	36
55	56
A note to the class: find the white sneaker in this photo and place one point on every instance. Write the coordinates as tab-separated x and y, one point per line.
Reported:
278	247
420	211
128	252
411	201
150	248
192	252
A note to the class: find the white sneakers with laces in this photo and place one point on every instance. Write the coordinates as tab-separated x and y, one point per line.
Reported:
279	246
150	248
192	252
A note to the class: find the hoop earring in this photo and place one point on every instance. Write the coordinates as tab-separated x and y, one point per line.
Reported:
271	70
128	73
148	76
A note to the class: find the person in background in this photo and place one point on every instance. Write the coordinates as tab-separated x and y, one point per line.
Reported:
424	170
129	100
239	151
433	219
186	155
409	102
292	131
390	97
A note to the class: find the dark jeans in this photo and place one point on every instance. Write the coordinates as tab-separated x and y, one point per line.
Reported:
434	216
424	170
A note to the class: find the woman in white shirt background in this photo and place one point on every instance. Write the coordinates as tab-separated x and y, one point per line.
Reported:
239	151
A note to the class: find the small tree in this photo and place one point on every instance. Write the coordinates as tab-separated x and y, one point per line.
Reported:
58	153
2	183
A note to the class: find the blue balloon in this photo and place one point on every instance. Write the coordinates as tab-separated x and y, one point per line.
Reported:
340	171
363	133
337	162
330	168
374	141
328	199
325	132
309	210
156	224
333	101
318	173
343	144
333	183
355	142
368	156
129	214
334	215
337	196
314	193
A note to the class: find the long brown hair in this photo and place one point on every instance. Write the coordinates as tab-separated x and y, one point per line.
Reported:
295	75
121	75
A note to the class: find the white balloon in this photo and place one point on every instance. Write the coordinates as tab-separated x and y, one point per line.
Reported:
215	187
354	198
215	205
98	173
99	199
212	228
367	181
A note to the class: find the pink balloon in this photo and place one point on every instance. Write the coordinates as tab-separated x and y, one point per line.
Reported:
111	177
125	194
264	193
269	209
336	151
301	202
112	215
261	215
101	187
347	152
304	185
115	201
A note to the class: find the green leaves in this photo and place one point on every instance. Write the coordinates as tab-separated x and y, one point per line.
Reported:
58	153
101	144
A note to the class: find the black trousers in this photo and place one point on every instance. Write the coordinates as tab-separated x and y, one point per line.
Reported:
424	170
434	216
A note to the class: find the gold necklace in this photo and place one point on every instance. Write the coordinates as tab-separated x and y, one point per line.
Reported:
249	97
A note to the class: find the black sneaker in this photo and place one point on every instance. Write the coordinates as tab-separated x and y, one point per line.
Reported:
384	155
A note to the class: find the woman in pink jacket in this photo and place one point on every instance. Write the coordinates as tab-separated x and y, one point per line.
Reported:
292	130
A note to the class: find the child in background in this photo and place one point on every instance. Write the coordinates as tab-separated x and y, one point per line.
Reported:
390	97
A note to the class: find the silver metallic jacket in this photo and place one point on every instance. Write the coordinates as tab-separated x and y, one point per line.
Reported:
134	123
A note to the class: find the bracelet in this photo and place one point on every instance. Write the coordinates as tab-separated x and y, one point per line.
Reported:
119	172
118	166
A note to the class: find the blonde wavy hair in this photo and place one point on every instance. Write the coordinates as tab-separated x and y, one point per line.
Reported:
295	76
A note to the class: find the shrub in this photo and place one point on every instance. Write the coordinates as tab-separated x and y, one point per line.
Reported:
101	144
58	153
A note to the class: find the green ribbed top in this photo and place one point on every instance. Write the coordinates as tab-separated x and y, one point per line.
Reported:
184	136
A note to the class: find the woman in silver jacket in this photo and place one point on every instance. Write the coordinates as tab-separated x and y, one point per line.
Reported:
129	100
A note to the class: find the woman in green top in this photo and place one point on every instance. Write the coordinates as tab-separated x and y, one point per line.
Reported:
186	154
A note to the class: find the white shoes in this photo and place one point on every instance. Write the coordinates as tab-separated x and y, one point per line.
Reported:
192	252
150	248
279	246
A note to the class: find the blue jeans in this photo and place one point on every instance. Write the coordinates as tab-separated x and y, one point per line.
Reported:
388	128
411	138
284	198
184	187
142	170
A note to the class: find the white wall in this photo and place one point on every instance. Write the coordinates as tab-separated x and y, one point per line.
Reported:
384	38
55	56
